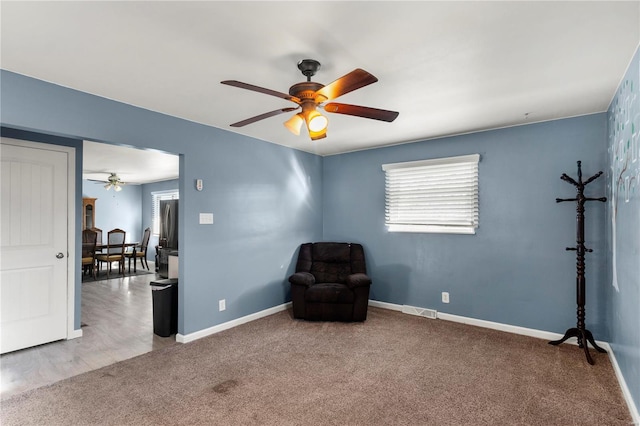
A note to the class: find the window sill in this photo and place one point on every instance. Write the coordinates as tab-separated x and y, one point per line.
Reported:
432	229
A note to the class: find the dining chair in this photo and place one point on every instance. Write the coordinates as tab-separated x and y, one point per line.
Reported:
89	238
114	251
140	251
98	232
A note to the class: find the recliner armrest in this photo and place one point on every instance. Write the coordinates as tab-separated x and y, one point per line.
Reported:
358	280
302	278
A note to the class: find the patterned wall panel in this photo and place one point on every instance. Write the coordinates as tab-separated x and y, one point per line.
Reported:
624	170
623	191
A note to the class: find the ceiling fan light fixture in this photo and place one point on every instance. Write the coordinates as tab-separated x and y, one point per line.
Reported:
316	122
318	135
113	181
294	124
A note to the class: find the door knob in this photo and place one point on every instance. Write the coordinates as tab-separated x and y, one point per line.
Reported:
60	255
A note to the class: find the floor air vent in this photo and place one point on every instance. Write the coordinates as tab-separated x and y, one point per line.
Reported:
421	312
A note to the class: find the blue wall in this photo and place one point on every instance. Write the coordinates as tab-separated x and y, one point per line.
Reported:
116	209
515	270
623	176
265	198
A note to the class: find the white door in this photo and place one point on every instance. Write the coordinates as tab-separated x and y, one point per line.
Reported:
33	245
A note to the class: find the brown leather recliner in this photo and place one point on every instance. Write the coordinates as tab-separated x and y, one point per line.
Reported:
330	283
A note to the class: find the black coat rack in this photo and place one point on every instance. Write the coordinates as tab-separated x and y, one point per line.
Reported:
580	332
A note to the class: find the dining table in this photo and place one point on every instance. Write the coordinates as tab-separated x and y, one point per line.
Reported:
101	246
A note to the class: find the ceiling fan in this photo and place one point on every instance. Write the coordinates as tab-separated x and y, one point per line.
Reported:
310	95
113	181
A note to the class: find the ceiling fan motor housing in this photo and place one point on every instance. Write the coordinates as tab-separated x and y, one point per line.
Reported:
305	90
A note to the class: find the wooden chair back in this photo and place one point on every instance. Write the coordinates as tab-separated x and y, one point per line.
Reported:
115	241
89	239
145	240
98	232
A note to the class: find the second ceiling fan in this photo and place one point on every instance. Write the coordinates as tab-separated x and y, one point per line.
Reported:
113	181
310	95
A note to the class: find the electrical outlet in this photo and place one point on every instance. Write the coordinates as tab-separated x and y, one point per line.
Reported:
222	305
445	297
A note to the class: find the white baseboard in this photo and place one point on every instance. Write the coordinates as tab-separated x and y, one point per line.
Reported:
635	416
531	332
74	334
546	335
385	305
186	338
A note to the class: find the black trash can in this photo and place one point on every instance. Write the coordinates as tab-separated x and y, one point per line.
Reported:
165	306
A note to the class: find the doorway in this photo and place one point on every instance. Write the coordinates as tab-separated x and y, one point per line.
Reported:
116	314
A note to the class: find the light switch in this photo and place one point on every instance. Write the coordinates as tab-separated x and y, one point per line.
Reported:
206	218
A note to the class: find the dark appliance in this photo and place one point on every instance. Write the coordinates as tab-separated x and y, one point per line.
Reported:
168	241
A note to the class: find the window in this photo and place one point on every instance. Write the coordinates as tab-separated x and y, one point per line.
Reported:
439	195
156	198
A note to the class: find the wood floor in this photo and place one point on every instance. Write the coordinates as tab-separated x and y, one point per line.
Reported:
117	324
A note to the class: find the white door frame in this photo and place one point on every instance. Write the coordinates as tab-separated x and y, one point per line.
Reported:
72	333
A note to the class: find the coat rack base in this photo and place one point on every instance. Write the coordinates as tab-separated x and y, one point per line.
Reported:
584	337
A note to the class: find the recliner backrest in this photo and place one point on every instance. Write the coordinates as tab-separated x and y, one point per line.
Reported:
331	262
358	264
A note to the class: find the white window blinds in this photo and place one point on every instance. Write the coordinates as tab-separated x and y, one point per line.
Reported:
439	195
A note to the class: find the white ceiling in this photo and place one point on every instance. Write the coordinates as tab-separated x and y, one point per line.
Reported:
447	67
133	166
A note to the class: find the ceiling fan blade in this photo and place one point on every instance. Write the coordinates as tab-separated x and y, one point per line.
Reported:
259	89
347	83
262	117
360	111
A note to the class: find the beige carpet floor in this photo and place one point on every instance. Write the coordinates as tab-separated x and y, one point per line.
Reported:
394	369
